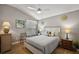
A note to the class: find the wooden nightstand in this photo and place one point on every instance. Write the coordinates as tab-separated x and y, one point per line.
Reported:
67	44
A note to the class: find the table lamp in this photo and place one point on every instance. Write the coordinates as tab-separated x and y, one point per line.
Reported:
67	31
6	27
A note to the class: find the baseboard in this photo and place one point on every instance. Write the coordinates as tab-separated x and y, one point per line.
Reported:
15	42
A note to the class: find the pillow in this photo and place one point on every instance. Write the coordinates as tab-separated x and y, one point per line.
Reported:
49	34
53	34
44	33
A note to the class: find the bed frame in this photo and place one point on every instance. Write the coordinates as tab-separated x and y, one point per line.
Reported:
32	49
35	50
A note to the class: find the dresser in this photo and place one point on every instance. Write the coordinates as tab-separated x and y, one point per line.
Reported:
5	42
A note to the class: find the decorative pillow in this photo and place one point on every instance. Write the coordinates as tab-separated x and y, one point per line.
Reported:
53	34
44	33
49	33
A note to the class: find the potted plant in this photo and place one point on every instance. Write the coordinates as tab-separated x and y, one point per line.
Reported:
77	45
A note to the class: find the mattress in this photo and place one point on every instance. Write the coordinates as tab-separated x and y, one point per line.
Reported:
43	43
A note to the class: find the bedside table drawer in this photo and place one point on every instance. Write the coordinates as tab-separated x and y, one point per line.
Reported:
66	44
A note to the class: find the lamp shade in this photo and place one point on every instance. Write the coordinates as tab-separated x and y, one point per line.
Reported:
67	30
6	24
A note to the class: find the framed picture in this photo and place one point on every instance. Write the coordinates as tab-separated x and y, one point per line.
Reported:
20	23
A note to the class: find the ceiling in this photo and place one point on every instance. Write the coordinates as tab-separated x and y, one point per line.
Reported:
48	10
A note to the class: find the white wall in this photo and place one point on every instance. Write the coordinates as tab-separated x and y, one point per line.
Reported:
0	16
72	20
11	14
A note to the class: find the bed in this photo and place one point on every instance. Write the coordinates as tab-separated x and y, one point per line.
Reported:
43	44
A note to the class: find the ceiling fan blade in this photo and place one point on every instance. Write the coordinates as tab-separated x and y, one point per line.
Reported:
31	8
46	9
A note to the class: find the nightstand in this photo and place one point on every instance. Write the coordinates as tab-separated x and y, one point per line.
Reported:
67	44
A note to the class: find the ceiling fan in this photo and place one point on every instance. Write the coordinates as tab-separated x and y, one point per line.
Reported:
38	10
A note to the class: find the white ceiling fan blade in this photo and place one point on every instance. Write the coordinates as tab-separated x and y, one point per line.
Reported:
46	9
31	8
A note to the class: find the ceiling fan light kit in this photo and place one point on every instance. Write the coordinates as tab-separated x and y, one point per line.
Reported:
39	11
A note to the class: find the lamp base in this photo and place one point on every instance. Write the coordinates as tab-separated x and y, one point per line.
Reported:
6	30
67	36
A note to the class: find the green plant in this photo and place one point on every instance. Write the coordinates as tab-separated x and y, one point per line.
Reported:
77	44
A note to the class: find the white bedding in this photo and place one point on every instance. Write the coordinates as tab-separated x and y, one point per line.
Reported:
43	43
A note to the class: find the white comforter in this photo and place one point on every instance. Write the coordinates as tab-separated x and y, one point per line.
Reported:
44	43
